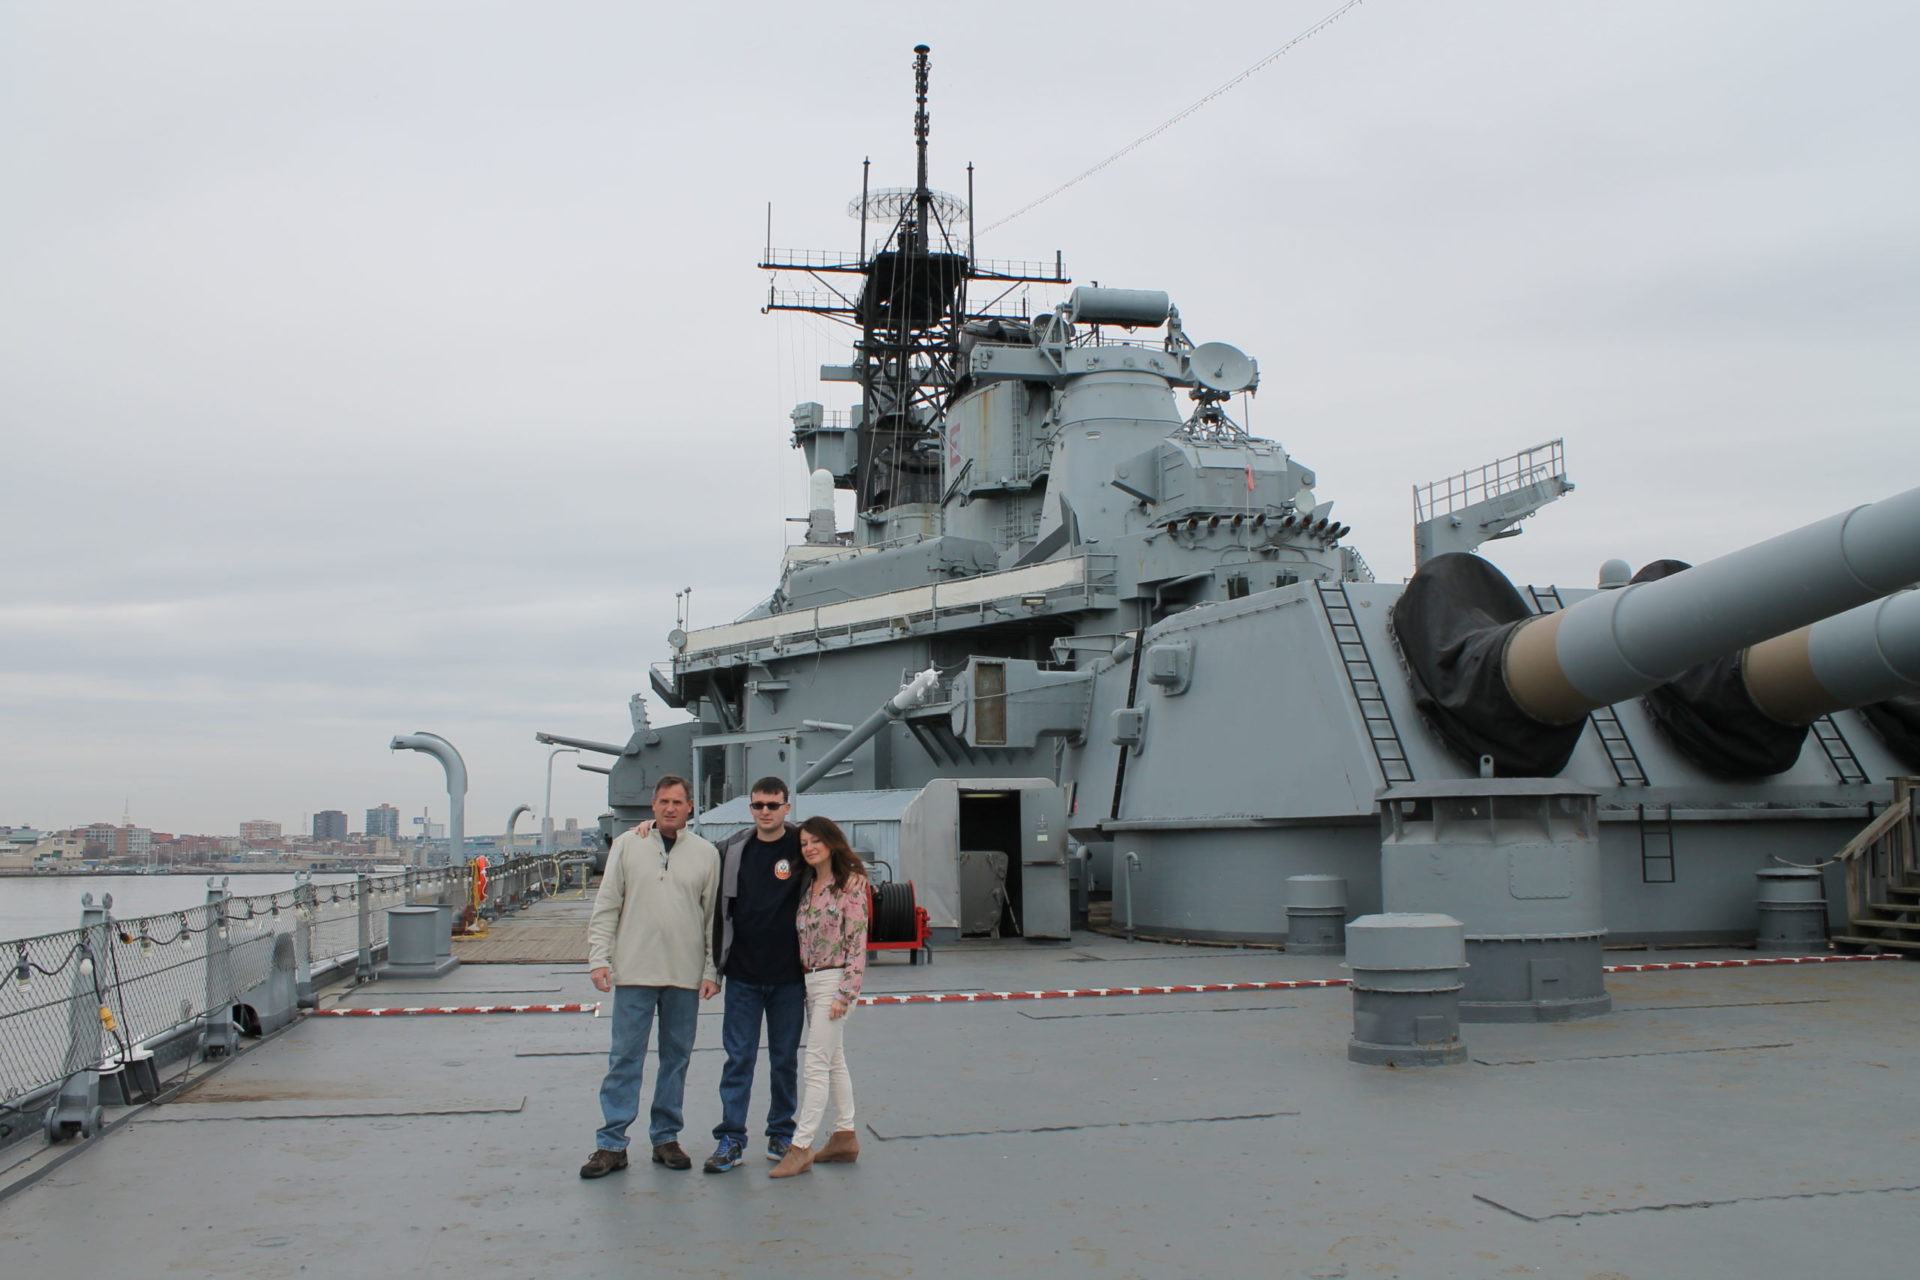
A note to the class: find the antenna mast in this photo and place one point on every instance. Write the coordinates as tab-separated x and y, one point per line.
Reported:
910	307
922	197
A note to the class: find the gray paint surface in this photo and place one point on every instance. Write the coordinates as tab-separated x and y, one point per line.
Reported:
1720	1123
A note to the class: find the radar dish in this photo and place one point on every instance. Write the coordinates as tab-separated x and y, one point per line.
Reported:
677	638
891	202
1221	366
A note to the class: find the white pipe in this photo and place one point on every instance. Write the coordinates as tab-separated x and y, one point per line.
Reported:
456	768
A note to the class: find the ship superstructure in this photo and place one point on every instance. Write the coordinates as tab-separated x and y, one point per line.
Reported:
1123	639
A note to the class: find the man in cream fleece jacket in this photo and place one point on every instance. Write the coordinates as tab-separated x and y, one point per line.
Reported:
647	943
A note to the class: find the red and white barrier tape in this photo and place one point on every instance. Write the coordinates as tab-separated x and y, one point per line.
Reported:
1084	993
1179	989
461	1008
1749	964
1198	988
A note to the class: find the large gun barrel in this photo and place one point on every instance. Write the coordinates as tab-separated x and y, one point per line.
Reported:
1868	654
892	709
1619	644
1495	679
584	744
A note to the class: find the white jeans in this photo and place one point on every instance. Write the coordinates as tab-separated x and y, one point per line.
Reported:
823	1063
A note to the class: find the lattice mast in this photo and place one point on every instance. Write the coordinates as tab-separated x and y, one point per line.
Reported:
910	308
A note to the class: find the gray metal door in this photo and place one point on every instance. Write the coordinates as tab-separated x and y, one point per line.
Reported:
1043	858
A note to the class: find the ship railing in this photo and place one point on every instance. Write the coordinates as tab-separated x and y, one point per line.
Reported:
831	420
1101	338
1054	272
1477	484
515	882
1886	853
1009	269
810	259
1099	583
818	300
116	1006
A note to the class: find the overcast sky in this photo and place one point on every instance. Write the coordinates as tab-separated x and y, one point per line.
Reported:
371	366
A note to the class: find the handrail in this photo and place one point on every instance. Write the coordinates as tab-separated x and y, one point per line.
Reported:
1886	851
1890	817
83	1000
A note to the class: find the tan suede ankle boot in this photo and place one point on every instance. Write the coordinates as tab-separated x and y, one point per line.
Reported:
842	1148
797	1160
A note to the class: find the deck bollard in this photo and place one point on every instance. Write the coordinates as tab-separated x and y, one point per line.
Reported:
1406	989
1316	915
1793	911
413	935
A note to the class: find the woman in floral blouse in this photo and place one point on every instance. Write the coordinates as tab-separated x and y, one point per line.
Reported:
833	951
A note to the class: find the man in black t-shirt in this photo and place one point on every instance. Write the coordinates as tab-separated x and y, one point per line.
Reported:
756	948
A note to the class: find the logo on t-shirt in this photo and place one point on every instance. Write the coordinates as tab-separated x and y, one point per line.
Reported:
782	869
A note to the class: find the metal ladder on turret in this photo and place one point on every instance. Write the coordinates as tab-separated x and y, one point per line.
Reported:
1839	752
1388	750
1606	724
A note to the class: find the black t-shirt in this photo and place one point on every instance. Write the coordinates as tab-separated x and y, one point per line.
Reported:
766	941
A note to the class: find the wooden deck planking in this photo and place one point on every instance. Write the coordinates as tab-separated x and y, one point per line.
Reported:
549	932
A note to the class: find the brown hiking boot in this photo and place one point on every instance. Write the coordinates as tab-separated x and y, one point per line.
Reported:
797	1160
842	1148
603	1162
670	1155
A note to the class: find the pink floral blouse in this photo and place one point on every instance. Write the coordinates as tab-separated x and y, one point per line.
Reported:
833	932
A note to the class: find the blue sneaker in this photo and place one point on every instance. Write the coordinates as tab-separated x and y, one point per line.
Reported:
777	1148
725	1156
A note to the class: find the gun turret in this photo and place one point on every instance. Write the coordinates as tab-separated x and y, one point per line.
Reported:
1497	680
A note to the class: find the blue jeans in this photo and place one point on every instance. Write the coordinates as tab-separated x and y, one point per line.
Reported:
633	1010
784	1007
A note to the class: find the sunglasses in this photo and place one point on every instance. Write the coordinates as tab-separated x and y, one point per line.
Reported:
764	805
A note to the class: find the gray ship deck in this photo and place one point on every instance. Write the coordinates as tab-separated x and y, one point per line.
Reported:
1731	1122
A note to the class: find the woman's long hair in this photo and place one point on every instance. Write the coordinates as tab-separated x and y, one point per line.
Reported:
843	861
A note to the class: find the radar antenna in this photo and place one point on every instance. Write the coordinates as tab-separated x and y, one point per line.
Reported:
1220	371
911	307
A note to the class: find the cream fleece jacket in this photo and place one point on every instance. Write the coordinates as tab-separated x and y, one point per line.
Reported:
651	925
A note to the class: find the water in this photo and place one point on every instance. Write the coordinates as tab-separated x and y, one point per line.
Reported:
33	905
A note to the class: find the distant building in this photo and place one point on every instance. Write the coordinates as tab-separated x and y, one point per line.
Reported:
104	840
259	830
384	821
67	846
330	824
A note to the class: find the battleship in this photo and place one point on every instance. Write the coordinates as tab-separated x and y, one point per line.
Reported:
1287	922
1088	635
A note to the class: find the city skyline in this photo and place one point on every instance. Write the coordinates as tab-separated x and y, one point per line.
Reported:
272	830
